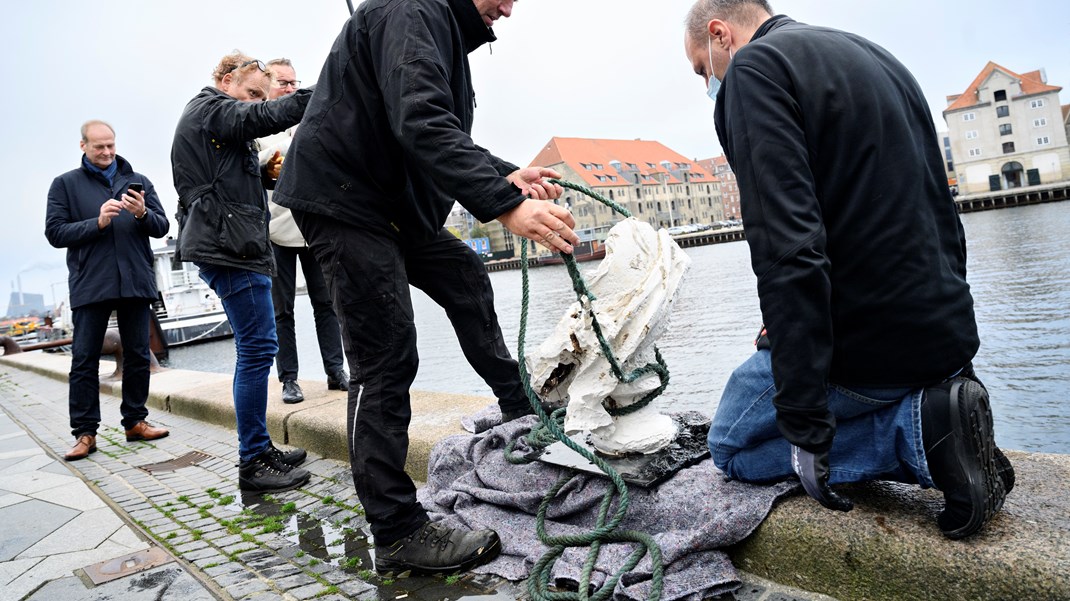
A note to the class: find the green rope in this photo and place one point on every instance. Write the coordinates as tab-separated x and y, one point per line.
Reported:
552	429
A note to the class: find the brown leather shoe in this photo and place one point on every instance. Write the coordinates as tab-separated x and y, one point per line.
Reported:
87	443
143	431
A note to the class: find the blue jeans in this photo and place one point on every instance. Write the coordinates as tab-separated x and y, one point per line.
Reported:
90	324
246	297
878	431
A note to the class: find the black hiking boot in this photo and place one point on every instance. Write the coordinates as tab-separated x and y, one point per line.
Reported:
960	446
295	457
436	549
266	473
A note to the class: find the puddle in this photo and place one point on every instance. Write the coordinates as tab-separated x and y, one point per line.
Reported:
330	541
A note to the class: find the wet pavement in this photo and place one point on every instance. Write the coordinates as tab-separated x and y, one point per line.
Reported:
179	497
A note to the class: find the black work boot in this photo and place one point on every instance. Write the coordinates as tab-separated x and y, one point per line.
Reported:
1003	465
436	549
295	457
956	422
265	473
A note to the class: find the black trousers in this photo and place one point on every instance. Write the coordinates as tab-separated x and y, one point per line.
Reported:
90	324
368	272
283	292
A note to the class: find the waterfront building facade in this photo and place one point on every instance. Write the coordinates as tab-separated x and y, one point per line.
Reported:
721	170
1007	130
657	184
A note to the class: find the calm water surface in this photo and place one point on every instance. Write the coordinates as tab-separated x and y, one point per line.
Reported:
1018	260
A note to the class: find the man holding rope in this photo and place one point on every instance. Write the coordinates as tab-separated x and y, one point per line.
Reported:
383	151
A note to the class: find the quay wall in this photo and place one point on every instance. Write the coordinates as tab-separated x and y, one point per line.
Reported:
887	548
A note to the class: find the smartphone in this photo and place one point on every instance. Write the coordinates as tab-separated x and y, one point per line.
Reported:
136	187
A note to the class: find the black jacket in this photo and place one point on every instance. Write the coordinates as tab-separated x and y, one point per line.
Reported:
854	236
214	142
112	263
385	141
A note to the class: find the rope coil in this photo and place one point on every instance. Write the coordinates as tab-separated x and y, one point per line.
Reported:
551	429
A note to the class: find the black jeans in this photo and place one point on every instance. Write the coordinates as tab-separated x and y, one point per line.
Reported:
90	324
368	272
283	291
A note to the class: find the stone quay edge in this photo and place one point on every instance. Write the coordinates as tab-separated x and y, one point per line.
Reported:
888	548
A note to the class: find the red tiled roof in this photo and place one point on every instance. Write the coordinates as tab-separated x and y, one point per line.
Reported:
1032	83
1066	112
646	155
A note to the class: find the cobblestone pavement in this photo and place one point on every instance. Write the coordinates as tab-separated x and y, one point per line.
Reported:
182	493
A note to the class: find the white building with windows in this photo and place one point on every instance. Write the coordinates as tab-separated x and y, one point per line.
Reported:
1007	131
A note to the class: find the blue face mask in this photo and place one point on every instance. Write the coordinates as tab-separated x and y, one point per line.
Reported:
714	84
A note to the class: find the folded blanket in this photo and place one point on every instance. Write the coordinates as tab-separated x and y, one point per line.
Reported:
691	516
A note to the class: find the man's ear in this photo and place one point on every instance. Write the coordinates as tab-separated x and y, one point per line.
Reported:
224	84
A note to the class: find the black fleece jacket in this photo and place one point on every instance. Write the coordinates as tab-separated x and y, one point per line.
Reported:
386	141
854	236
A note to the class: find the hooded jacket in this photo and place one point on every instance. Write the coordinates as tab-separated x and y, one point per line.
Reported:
386	141
214	143
112	263
854	236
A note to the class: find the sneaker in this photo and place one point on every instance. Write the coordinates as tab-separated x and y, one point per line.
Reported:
291	392
295	457
960	448
338	380
436	549
265	473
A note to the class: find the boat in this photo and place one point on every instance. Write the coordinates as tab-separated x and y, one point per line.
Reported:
187	310
591	247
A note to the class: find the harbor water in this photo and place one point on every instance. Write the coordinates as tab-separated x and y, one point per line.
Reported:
1018	262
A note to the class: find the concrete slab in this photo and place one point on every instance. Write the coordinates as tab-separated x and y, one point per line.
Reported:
73	495
9	570
36	520
83	532
32	482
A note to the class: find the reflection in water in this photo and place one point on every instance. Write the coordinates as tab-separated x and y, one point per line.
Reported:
1018	261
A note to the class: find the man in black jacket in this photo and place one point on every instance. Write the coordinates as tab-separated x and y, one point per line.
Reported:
861	266
223	228
111	269
372	173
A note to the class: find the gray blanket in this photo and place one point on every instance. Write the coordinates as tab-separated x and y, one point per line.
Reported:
692	515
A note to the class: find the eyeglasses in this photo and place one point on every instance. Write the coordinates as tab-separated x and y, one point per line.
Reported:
282	83
259	65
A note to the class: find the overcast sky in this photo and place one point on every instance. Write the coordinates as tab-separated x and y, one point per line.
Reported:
574	68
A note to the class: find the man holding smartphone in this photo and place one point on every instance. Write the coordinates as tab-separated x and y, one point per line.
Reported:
103	213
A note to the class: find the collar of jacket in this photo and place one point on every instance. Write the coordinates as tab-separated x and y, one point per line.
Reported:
122	167
771	24
475	31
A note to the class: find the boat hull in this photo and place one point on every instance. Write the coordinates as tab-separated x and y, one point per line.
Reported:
192	329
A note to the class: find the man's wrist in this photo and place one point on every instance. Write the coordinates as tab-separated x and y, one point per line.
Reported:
142	215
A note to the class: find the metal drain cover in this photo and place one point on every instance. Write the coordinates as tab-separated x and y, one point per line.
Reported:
119	567
191	458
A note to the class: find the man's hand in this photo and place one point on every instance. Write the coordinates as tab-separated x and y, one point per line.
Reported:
543	222
531	183
108	211
134	202
273	167
813	471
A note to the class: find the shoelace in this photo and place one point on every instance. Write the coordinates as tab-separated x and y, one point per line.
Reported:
275	462
440	537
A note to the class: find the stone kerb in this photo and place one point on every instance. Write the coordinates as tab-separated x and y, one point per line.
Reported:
887	548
